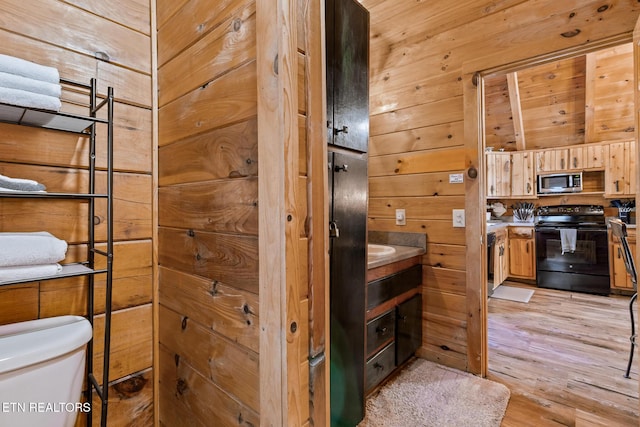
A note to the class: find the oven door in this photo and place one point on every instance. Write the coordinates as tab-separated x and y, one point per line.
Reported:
585	268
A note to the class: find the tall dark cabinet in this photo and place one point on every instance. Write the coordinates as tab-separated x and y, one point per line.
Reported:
347	24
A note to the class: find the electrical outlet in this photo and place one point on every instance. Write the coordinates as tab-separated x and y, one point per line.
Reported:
401	218
458	217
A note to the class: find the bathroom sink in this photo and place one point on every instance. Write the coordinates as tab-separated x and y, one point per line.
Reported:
377	251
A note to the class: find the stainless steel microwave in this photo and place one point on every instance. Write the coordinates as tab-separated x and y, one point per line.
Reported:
559	183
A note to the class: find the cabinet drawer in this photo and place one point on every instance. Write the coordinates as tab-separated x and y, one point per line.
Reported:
379	366
521	232
391	286
380	330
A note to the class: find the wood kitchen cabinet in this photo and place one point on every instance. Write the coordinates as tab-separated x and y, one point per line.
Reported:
560	159
511	174
522	252
594	156
500	257
620	280
620	179
498	174
523	174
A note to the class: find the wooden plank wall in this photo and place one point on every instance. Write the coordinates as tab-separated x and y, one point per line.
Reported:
211	368
71	36
571	101
208	213
423	55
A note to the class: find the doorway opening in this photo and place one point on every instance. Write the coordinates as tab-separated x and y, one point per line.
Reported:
532	113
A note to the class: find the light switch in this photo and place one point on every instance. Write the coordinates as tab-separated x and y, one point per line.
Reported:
401	218
458	217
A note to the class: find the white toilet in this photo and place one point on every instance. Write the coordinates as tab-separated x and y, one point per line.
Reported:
42	369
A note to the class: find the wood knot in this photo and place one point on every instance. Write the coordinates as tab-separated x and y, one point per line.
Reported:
131	386
569	34
237	24
181	386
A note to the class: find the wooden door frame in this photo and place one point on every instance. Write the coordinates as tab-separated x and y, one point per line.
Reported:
473	73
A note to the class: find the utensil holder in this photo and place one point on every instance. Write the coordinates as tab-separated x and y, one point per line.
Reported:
624	214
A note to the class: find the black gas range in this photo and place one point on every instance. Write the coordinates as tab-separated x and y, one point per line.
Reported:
572	249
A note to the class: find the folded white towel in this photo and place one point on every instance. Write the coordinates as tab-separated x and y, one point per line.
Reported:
14	81
9	190
25	272
24	68
22	98
30	249
20	184
568	240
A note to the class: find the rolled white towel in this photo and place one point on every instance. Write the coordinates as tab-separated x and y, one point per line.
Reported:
14	81
24	68
25	272
20	184
22	98
30	249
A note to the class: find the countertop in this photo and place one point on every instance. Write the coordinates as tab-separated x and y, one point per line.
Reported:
495	225
401	253
492	226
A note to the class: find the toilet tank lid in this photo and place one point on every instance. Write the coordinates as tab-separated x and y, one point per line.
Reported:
27	343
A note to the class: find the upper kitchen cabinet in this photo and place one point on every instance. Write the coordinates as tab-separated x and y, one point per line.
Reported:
620	173
510	174
498	174
347	24
523	177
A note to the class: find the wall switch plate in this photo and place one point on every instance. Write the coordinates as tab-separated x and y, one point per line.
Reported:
458	217
401	218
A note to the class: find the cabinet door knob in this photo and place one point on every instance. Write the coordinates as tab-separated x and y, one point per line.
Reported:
381	330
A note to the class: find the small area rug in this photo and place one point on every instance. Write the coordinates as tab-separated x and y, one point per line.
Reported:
427	394
512	294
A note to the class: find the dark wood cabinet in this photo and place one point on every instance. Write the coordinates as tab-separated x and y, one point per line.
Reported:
394	323
347	29
408	328
347	47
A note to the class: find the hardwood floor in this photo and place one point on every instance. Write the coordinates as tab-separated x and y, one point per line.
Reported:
563	356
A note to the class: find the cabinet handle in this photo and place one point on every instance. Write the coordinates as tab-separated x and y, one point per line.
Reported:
617	185
491	190
619	253
575	162
527	247
378	366
344	129
528	187
561	163
381	331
